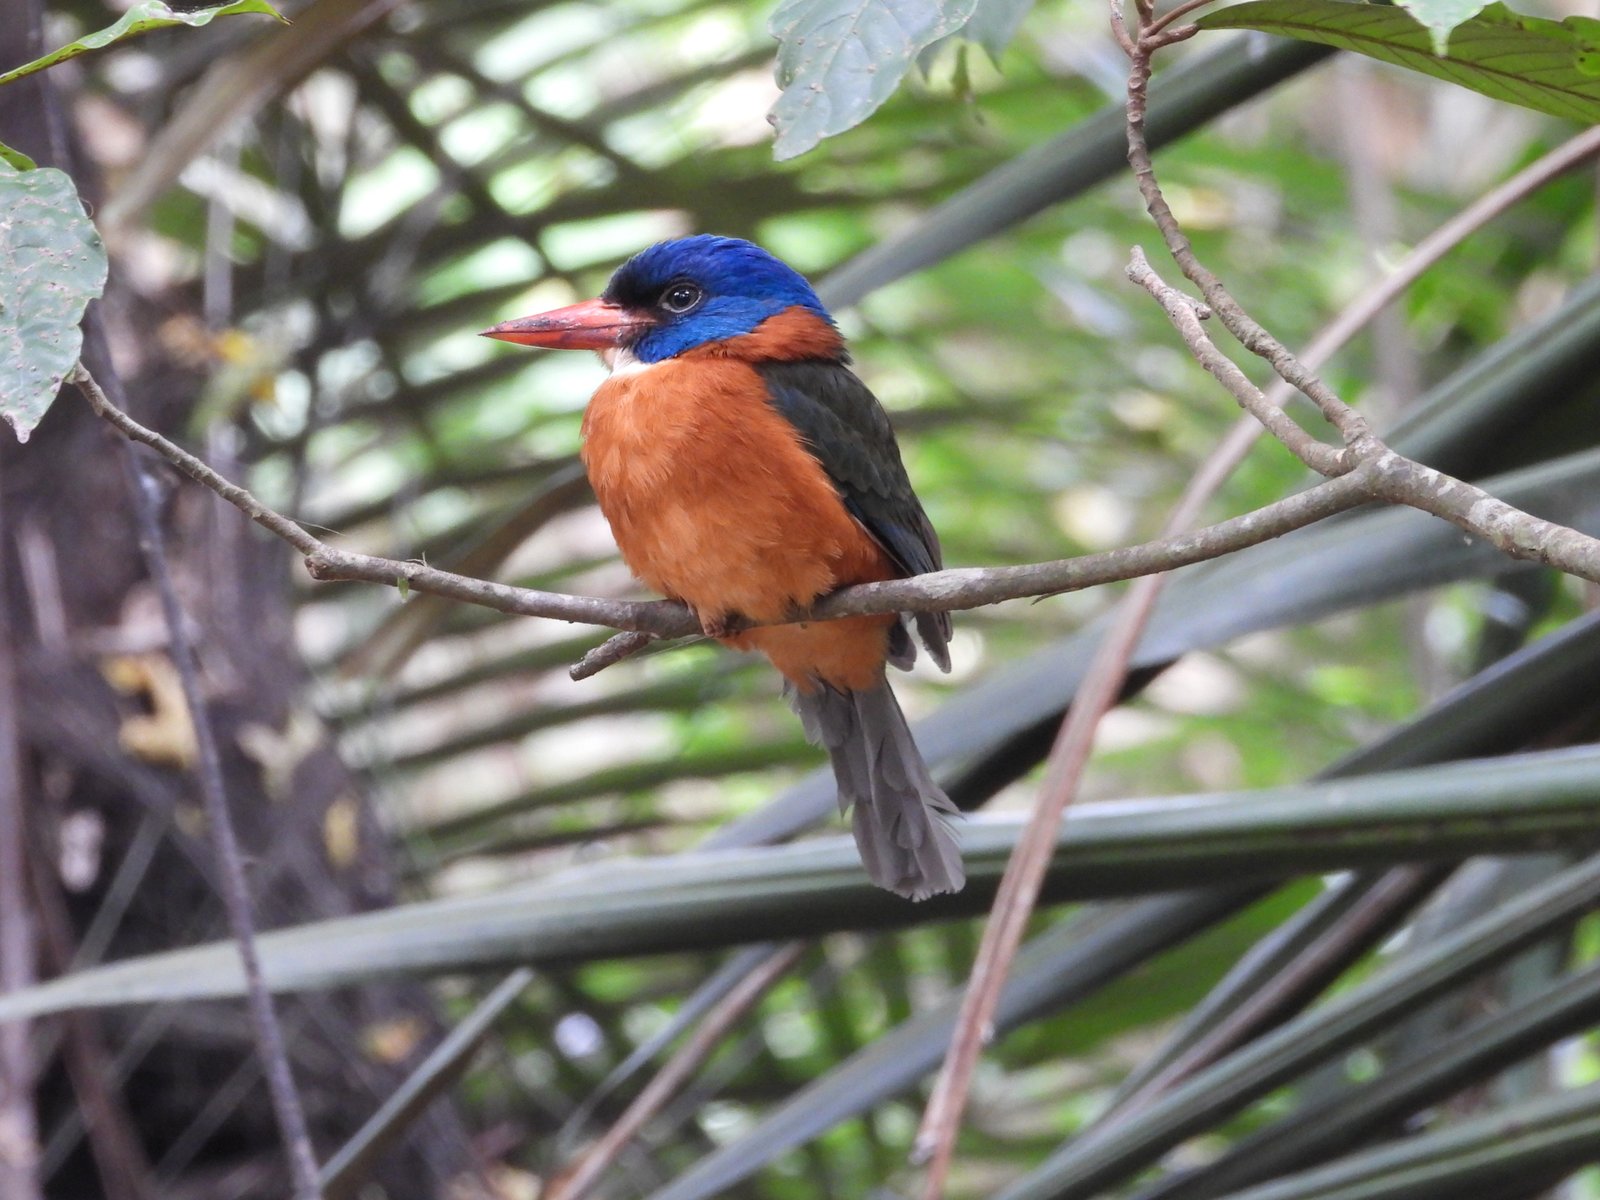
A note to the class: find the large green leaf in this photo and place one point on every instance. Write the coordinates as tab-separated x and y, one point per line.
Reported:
152	14
705	899
838	60
1441	1068
1074	960
51	265
1539	64
1499	1153
1088	1165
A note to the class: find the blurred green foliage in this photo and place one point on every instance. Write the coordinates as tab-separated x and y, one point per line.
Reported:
464	163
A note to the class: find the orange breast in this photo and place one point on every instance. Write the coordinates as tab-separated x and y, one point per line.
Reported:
714	499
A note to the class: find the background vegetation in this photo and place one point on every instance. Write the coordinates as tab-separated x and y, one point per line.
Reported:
308	225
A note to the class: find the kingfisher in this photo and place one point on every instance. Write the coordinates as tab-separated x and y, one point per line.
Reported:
746	471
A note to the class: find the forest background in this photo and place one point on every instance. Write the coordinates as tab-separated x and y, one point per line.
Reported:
308	224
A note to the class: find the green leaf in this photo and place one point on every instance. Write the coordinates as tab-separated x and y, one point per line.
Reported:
625	907
16	158
51	265
1544	1138
1104	1156
995	23
1549	66
139	19
1441	17
838	60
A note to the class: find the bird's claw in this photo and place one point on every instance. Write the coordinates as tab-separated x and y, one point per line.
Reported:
719	625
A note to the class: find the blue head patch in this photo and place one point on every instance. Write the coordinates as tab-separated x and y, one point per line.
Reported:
705	289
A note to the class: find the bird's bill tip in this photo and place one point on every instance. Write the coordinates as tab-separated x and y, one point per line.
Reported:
592	325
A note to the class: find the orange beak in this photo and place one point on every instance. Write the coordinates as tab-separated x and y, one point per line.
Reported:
592	325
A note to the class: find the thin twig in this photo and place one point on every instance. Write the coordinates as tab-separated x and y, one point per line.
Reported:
1401	480
611	651
1350	424
580	1179
1177	13
1186	314
219	824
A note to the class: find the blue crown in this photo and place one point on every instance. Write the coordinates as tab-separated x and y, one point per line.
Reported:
742	285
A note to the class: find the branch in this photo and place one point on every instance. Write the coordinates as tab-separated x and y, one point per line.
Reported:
940	591
1391	477
1350	424
610	652
1388	475
1185	313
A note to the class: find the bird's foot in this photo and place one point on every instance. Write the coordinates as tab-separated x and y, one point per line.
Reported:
720	625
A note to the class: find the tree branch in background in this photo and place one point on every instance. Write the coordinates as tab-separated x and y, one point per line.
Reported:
234	887
19	1131
578	1180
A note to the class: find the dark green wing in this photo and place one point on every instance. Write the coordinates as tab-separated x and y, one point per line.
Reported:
847	430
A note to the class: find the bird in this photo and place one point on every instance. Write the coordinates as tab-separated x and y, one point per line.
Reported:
747	471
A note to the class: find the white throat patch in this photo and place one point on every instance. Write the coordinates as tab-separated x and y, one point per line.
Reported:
621	360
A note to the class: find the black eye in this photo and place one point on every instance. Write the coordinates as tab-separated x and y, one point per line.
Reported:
680	297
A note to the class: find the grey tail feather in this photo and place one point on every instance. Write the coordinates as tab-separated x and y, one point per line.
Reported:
902	819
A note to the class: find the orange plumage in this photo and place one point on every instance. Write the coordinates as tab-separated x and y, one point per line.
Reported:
715	501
